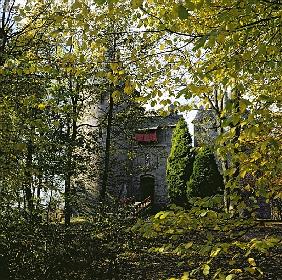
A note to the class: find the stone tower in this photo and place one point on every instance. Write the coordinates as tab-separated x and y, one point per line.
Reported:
205	127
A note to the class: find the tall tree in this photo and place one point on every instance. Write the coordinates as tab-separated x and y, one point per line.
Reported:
224	56
205	179
48	96
179	163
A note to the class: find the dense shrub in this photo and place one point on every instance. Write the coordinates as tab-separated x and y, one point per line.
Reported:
179	163
87	249
206	179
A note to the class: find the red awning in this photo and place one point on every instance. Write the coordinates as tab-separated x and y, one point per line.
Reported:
146	137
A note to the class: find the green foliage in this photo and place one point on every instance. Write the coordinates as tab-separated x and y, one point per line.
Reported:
205	179
179	163
48	59
212	244
88	249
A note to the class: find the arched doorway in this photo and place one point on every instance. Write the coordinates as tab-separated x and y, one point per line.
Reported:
147	187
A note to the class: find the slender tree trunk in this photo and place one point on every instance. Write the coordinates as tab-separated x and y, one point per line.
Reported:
67	209
107	149
70	162
236	164
38	190
224	165
218	106
49	207
105	176
3	34
28	179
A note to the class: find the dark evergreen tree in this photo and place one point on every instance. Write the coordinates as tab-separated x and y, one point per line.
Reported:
206	179
179	163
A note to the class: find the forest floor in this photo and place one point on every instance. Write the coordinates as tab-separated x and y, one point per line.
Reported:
142	264
87	251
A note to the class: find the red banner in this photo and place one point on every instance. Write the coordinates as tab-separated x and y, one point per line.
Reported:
146	137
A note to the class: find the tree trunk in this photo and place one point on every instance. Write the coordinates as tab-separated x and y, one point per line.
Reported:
236	164
67	209
107	150
28	179
69	165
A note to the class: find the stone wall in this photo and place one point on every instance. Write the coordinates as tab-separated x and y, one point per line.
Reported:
205	128
144	159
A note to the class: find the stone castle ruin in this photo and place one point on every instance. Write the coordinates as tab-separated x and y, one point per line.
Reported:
140	145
